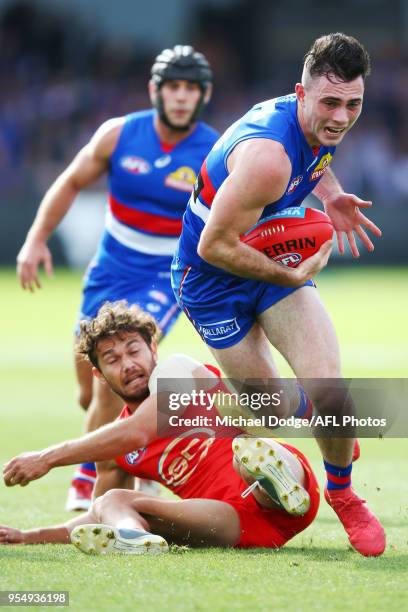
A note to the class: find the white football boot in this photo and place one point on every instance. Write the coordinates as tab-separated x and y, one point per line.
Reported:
99	539
272	473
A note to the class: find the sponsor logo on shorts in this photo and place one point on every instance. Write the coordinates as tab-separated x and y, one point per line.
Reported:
219	330
159	296
288	259
135	165
321	167
135	456
183	179
296	181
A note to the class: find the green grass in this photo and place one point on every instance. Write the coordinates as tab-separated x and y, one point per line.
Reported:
316	570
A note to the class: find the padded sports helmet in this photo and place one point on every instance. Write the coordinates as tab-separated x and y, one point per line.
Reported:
181	62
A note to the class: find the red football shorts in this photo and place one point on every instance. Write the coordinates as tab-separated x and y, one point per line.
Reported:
273	528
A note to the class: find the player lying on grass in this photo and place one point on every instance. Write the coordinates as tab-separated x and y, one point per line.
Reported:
209	474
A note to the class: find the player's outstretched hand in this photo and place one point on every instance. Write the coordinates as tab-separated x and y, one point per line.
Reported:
29	259
24	468
9	535
347	218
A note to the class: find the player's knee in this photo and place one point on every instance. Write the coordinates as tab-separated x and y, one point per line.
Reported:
108	500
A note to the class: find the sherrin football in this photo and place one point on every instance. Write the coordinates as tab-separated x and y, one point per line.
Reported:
291	235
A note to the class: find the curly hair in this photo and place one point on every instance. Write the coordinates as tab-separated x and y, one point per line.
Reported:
339	55
114	318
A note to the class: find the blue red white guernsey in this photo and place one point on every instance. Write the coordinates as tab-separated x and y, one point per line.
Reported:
149	186
276	120
221	306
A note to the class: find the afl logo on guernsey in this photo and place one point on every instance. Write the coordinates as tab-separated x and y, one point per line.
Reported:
135	456
135	165
296	181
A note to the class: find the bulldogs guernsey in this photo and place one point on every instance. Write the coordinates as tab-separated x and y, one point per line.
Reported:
149	185
274	119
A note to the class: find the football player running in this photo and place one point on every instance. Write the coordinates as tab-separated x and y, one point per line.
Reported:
151	159
208	473
239	300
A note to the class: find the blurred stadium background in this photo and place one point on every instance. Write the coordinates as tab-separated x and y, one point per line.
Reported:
66	67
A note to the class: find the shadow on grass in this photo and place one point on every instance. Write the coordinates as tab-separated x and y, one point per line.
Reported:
391	560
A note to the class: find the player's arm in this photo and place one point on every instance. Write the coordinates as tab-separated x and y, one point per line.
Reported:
109	441
259	172
344	211
54	534
111	476
89	164
114	439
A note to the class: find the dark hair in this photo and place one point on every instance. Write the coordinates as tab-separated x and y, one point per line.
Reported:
114	318
337	54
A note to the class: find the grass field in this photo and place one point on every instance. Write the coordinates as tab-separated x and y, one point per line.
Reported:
315	571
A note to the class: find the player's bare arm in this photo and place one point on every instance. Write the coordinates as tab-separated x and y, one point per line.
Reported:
344	211
89	164
110	441
58	534
259	174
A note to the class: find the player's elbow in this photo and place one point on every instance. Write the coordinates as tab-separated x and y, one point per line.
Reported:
211	250
203	250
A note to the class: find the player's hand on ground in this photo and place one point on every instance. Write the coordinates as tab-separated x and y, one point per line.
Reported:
29	259
347	218
9	535
24	468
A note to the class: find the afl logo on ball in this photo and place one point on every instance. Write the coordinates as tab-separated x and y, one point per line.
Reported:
288	259
135	456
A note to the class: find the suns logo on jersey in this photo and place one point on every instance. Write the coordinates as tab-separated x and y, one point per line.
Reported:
182	456
135	165
183	179
321	167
